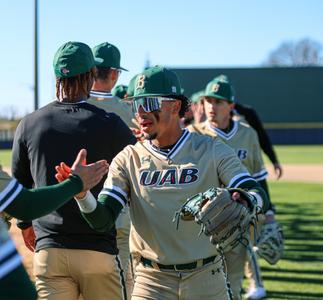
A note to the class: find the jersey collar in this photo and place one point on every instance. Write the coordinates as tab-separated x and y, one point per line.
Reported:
101	94
219	132
174	150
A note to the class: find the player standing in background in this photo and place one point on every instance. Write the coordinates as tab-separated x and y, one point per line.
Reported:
18	202
120	91
108	72
157	176
218	101
105	80
64	242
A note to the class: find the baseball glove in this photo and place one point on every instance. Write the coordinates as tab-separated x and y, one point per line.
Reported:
224	220
270	245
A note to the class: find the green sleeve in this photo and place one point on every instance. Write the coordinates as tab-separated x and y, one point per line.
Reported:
34	203
254	186
105	214
17	285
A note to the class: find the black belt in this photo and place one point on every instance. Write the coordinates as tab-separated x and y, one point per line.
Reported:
181	267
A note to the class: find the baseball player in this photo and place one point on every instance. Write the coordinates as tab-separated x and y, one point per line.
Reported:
108	72
18	202
119	91
156	176
218	101
58	130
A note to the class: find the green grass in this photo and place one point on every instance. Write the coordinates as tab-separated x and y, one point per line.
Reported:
299	275
299	154
5	158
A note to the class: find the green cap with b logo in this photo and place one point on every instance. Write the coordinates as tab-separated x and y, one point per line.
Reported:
73	58
221	88
157	81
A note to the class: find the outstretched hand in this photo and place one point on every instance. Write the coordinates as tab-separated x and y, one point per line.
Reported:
90	174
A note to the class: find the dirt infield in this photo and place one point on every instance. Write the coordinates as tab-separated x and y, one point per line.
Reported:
293	173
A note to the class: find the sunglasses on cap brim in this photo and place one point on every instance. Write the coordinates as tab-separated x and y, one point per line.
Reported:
148	104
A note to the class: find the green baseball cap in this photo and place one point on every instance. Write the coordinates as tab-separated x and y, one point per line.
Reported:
221	88
196	97
119	91
131	87
109	54
73	58
157	81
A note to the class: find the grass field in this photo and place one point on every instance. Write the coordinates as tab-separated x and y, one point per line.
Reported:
286	155
299	154
299	275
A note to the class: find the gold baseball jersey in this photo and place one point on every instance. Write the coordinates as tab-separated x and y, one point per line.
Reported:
113	104
9	189
243	139
157	184
9	257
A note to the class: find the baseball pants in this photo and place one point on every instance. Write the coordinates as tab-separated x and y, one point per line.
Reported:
235	262
207	282
65	274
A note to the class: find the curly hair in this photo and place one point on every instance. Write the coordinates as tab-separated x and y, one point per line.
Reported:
70	88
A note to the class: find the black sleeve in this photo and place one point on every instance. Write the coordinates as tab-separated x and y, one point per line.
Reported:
253	119
123	136
20	166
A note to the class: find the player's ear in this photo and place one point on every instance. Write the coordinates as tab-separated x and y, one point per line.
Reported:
176	107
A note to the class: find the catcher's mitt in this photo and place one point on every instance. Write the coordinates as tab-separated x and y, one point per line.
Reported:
224	220
270	245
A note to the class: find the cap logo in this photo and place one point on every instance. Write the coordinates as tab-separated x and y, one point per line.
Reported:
140	82
174	89
65	71
215	87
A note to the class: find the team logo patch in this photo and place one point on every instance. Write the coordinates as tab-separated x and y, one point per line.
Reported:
140	82
174	90
242	154
65	71
215	87
168	177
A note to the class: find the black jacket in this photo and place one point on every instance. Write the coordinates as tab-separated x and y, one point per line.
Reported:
56	133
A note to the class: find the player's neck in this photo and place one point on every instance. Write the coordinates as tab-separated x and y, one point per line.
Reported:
168	137
221	124
102	86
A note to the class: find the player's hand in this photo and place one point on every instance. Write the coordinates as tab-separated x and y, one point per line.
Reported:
237	197
137	133
278	170
29	237
91	174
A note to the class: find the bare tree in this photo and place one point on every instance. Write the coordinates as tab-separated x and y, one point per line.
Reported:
305	52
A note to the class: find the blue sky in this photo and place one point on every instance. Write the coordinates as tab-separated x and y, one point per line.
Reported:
229	33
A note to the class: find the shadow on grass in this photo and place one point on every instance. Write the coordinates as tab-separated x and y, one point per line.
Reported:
303	245
294	295
283	270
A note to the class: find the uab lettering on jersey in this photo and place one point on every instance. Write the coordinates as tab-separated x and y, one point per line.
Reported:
168	177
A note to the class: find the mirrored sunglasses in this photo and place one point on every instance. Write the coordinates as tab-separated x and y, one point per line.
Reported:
148	104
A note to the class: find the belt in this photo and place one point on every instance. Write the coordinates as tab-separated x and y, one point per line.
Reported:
181	267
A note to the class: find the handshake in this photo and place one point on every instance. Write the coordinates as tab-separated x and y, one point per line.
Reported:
90	174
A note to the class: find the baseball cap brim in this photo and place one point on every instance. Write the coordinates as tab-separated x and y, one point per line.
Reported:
98	61
123	69
213	95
